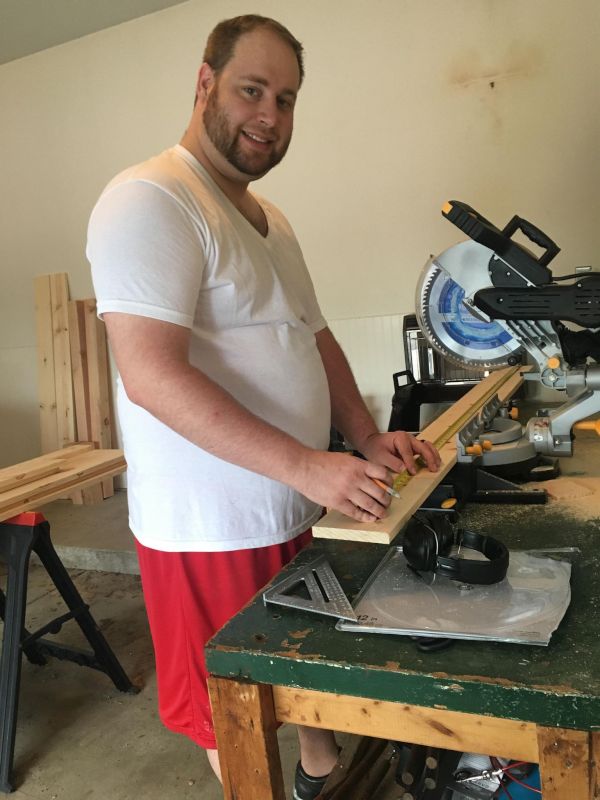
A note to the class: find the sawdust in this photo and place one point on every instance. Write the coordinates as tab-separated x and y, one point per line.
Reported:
574	496
566	489
578	497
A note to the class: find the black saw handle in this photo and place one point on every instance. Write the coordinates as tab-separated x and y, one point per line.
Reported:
535	235
486	233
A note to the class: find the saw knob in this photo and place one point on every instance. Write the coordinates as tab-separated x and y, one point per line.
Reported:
588	425
474	450
514	413
486	445
554	362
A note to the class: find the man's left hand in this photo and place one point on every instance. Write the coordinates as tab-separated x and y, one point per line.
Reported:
397	450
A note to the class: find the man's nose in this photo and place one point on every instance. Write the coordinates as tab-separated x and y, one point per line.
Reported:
268	112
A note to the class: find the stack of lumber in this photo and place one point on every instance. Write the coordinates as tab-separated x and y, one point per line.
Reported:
74	393
28	485
440	432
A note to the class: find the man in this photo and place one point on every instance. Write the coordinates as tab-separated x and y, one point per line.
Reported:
228	373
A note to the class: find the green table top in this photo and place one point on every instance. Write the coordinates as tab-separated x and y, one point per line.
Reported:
558	685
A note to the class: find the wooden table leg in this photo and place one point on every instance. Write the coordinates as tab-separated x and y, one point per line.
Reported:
564	763
594	766
246	731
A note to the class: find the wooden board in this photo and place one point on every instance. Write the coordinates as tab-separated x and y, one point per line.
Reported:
35	482
45	358
26	468
247	737
436	727
59	295
79	366
564	760
55	380
336	525
100	430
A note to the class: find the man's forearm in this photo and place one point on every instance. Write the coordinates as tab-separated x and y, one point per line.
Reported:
349	413
200	410
153	359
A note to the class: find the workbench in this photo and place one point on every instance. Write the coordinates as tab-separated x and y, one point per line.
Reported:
539	704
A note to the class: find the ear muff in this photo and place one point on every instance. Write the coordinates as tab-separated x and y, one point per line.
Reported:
427	536
428	543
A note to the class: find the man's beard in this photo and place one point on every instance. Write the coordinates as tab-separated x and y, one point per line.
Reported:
226	141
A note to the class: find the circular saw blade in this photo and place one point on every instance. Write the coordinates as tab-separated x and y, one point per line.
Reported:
456	330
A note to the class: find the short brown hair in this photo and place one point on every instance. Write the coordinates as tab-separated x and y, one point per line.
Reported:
222	40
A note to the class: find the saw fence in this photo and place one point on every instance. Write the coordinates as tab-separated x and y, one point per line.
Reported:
335	525
74	387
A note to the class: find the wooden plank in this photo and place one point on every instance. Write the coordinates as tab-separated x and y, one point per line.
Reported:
45	359
595	765
99	396
74	473
78	482
336	525
503	382
47	460
48	464
435	727
78	344
564	759
59	293
79	369
245	727
19	478
71	480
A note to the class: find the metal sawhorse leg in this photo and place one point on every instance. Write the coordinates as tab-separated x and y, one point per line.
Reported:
18	537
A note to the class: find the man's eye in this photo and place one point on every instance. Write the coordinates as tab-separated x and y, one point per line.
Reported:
251	91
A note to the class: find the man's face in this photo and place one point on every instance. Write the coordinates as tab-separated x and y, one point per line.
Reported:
249	112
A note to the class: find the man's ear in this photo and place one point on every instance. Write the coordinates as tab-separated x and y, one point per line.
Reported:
206	79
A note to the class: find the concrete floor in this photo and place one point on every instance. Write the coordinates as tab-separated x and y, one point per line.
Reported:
77	736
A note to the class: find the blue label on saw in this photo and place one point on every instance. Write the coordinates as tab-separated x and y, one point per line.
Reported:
462	326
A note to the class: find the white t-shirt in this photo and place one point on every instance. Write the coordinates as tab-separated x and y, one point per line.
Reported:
165	242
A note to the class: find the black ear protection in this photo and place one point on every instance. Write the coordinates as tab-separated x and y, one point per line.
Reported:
428	542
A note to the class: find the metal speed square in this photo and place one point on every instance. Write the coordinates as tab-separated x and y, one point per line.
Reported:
317	580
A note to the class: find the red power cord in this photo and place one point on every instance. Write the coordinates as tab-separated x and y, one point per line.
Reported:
507	774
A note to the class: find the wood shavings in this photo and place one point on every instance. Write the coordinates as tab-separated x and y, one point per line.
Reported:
579	497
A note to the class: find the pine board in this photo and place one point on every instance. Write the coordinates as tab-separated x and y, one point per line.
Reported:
99	399
79	364
55	475
45	358
336	525
59	294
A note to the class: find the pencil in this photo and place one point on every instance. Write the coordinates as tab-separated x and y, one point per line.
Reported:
386	488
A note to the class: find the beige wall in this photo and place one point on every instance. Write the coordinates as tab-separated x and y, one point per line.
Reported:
407	103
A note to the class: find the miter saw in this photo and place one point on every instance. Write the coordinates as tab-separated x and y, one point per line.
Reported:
489	302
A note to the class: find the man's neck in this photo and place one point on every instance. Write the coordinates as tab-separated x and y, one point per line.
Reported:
235	190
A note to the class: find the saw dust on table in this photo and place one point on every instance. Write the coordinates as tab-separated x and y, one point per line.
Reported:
577	496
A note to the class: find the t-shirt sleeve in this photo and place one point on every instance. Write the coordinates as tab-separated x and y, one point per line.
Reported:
146	253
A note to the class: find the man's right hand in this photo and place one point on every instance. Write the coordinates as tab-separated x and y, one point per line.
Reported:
345	483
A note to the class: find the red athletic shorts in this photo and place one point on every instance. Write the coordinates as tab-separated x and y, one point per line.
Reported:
189	596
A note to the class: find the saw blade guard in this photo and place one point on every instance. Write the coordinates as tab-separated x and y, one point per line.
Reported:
451	323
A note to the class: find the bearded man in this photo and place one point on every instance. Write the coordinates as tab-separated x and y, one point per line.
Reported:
229	379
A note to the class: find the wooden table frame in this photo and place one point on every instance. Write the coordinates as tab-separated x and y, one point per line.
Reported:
246	716
271	665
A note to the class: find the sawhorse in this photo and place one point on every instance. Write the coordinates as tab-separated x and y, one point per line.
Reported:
18	537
